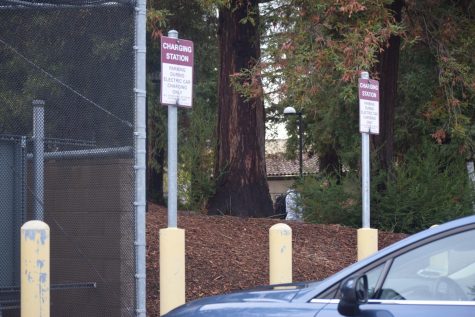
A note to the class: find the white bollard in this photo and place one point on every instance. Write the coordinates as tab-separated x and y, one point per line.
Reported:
280	254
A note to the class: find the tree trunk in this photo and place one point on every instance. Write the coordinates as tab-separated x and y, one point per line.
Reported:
240	170
388	68
329	162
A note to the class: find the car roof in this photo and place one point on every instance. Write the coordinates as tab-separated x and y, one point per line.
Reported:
413	239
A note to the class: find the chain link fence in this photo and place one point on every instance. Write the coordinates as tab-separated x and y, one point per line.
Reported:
74	60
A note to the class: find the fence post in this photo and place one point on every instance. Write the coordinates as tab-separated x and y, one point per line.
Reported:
38	158
35	269
280	254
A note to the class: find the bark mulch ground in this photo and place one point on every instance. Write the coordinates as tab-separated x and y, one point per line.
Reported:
228	253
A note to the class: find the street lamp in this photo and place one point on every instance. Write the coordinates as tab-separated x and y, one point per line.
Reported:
290	111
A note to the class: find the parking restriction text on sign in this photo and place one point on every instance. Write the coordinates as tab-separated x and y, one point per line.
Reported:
177	72
368	90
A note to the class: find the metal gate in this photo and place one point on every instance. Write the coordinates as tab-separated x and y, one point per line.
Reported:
12	207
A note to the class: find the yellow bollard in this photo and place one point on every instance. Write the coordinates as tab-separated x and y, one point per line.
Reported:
172	269
35	269
280	254
367	240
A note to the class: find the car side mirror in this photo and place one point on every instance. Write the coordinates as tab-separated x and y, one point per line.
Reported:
354	292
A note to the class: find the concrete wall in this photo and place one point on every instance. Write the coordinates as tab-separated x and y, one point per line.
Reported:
278	186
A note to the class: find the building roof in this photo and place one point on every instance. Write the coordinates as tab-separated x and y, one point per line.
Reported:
278	166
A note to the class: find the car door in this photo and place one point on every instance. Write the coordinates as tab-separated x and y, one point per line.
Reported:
435	277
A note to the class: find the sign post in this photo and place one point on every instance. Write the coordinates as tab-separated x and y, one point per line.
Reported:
176	90
368	91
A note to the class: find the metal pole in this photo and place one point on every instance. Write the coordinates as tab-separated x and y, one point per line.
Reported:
140	157
300	144
365	172
38	158
366	191
172	157
471	176
172	239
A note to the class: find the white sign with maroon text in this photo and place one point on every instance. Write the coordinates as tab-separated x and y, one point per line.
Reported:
177	72
368	90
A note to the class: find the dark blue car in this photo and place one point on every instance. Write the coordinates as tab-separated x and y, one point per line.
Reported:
431	273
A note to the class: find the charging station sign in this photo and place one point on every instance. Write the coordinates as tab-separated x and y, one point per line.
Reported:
368	90
177	72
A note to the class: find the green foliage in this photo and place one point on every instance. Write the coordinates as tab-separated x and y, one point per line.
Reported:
446	28
197	156
157	141
328	200
313	53
416	87
431	186
312	57
196	21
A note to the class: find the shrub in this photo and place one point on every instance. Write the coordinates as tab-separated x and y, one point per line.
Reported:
327	200
430	186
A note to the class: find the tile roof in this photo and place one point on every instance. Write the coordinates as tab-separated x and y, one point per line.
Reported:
278	165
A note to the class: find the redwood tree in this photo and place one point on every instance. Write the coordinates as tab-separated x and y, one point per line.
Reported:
388	68
240	171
